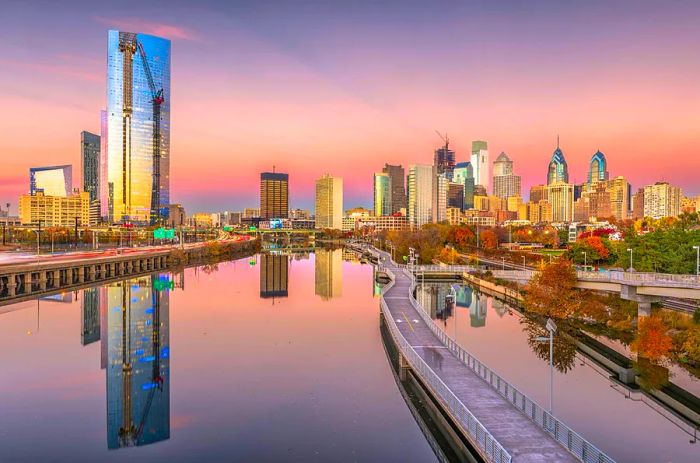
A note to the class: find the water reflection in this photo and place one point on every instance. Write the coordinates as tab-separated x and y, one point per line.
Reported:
138	365
90	320
328	273
274	275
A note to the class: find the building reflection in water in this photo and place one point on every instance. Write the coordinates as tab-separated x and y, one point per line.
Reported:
90	319
138	361
274	275
328	272
439	300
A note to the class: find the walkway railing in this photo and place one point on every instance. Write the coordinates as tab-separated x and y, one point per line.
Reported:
663	279
575	443
489	447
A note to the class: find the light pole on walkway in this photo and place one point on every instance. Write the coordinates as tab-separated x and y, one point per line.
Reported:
585	261
697	261
552	328
631	257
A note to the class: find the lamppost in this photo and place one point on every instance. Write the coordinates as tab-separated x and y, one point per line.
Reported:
37	241
552	328
697	261
585	261
631	257
524	262
504	262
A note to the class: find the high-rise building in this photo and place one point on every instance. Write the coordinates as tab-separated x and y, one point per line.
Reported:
480	163
440	198
638	204
90	320
398	190
421	178
54	211
455	195
444	161
90	164
328	273
382	194
598	168
561	196
274	195
505	182
137	128
662	200
51	180
176	215
538	193
464	174
558	170
329	202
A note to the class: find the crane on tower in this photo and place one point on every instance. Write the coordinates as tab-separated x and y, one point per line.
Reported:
157	99
444	138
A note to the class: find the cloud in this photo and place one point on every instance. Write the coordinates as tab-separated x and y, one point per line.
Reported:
168	31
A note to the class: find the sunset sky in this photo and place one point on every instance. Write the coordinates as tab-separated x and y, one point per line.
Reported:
316	87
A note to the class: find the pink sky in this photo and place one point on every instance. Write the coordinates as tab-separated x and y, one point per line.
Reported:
316	90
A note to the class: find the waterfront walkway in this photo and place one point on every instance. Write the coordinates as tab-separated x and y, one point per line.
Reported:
521	437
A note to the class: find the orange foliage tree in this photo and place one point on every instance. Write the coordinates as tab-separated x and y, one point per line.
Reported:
652	341
488	239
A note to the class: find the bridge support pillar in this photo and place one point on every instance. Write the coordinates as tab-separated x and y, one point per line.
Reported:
403	367
629	292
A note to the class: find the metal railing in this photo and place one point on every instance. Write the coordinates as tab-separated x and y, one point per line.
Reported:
570	439
665	279
479	436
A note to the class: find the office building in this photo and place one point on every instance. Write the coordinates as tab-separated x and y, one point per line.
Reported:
274	195
505	182
382	194
561	196
300	214
464	174
397	178
90	164
54	211
328	273
421	178
52	180
251	212
558	170
329	202
274	273
638	204
137	128
176	215
455	195
598	168
439	198
444	161
538	193
480	163
662	200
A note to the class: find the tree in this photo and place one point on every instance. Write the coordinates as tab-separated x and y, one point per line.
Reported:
448	255
652	341
552	292
488	239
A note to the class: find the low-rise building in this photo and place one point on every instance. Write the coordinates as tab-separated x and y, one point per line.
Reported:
55	211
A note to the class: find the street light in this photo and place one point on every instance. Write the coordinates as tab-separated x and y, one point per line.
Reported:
524	261
552	328
631	256
697	261
585	261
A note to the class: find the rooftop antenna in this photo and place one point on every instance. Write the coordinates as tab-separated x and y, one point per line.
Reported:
273	169
557	140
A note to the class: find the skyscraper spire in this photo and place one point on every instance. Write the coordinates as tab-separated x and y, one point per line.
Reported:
557	140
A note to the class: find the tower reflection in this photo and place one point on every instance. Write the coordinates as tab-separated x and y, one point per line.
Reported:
274	274
328	273
138	361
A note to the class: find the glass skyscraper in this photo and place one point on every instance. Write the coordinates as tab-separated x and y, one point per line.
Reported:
558	170
382	194
598	171
137	128
464	175
90	164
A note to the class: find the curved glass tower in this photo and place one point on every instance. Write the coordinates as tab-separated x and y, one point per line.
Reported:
558	171
137	128
382	194
598	171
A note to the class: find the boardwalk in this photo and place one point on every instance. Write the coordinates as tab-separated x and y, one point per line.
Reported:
522	438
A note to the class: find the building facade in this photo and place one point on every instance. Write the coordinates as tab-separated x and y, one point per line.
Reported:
90	164
137	128
598	168
397	178
558	169
274	195
561	196
51	180
464	174
480	163
444	161
421	178
54	211
662	200
329	202
440	186
382	194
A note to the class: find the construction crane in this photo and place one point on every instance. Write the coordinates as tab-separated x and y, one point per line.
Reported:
157	99
444	138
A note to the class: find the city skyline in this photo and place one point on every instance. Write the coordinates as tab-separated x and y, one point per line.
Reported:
287	120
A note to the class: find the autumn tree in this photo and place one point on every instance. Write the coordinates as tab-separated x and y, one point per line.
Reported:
488	239
652	341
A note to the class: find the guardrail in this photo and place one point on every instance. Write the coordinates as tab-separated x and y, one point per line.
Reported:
575	443
487	445
666	279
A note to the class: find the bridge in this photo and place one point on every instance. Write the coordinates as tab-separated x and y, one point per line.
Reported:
501	423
